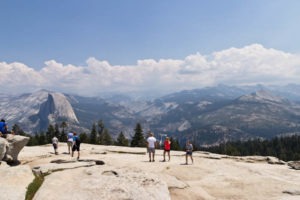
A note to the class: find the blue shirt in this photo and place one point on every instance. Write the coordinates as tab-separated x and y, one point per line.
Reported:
76	140
3	127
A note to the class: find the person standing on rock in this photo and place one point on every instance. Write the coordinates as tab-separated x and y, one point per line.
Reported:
55	144
76	145
70	141
189	152
151	143
167	148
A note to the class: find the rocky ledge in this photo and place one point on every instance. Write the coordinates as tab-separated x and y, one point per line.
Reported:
110	172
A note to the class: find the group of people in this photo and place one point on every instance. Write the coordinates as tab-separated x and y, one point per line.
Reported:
152	143
73	142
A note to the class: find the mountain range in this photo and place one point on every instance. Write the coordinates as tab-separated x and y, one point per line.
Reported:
208	116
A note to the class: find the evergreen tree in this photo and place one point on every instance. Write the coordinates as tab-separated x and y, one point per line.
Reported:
56	131
138	139
107	140
100	139
41	138
32	141
93	135
84	138
50	133
175	144
17	130
63	135
122	140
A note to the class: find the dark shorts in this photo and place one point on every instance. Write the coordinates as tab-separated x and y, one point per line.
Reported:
189	153
76	148
54	145
167	150
151	150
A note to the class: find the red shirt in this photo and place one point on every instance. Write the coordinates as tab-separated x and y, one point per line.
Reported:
167	145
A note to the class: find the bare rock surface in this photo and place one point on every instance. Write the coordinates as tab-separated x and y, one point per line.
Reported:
3	147
14	181
294	165
11	147
102	182
126	173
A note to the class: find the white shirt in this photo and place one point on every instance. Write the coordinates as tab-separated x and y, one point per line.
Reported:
151	142
54	140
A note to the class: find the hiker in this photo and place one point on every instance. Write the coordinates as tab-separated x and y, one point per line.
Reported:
3	128
151	143
167	148
189	152
76	145
70	141
55	144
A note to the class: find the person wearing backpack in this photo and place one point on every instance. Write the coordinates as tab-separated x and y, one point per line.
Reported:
76	145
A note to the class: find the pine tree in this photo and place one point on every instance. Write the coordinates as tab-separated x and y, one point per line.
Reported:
122	140
107	140
138	139
84	138
17	130
93	135
41	138
100	139
56	131
50	133
63	135
175	144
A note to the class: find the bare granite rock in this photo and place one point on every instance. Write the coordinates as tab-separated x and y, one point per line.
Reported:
294	165
101	182
126	173
14	181
16	144
11	147
3	147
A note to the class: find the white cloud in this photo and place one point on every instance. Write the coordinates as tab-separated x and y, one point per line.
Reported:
248	65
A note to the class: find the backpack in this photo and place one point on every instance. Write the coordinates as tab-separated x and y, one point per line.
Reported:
77	141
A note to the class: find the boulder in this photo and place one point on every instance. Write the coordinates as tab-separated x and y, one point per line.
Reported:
14	181
294	164
3	147
14	144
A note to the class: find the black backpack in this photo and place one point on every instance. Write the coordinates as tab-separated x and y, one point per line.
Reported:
77	141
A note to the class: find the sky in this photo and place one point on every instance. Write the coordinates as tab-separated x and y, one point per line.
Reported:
93	47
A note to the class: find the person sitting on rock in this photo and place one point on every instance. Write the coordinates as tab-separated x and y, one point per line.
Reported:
3	128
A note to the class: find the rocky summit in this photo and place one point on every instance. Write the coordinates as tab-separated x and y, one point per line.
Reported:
111	172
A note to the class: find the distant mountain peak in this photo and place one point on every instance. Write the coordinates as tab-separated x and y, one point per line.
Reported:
262	96
57	105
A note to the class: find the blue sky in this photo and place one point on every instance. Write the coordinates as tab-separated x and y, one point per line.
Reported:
71	45
122	32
